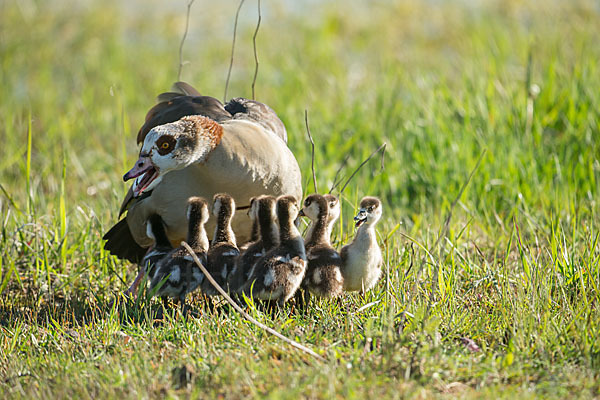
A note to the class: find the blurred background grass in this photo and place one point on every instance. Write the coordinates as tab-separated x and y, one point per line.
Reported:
438	81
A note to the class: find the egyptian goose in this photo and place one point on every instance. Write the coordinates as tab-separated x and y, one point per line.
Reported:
277	275
323	275
177	274
263	207
362	258
192	145
223	249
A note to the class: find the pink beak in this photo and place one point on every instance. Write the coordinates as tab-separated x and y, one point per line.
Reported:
142	165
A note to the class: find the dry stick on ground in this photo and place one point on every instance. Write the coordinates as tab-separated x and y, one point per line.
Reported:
237	14
255	53
245	314
187	24
380	148
312	143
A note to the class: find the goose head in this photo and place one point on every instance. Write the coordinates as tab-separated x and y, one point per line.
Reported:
369	212
172	147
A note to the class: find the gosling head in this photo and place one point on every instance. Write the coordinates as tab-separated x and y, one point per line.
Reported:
253	210
223	204
334	206
197	211
287	209
315	206
369	212
171	147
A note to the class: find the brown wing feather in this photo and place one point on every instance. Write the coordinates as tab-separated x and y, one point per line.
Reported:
120	243
185	89
182	106
126	201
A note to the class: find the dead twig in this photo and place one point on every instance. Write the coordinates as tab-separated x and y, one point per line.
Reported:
187	24
312	143
336	182
237	14
245	314
255	53
380	148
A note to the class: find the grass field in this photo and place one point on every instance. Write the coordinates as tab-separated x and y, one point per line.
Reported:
504	304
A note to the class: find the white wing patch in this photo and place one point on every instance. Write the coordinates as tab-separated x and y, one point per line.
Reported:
175	274
282	259
317	276
297	263
269	277
338	275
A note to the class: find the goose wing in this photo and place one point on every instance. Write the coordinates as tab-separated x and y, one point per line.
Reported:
257	112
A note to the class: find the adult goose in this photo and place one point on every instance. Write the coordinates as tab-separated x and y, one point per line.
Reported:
192	145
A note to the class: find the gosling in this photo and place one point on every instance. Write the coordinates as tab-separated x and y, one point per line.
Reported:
362	258
277	275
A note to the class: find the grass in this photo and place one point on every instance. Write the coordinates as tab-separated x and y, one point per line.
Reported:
504	305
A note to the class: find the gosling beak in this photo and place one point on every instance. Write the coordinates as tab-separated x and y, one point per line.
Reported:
301	213
360	218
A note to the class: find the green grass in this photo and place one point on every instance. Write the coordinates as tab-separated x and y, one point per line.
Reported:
517	272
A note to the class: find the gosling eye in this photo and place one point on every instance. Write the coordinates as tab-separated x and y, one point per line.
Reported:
307	203
370	209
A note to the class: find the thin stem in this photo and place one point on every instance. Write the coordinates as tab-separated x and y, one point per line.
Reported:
312	143
187	24
380	148
237	14
255	53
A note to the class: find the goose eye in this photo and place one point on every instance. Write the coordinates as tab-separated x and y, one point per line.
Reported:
165	144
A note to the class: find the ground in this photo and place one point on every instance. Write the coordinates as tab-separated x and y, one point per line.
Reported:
492	295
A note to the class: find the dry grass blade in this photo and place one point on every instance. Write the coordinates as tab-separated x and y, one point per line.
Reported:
187	24
336	182
235	24
380	148
312	151
245	314
255	52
